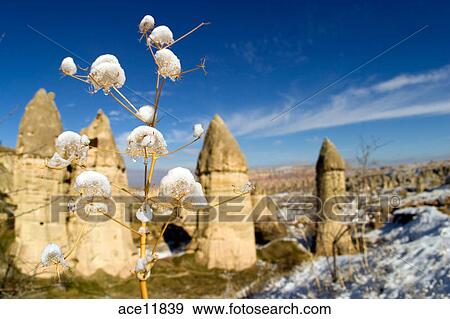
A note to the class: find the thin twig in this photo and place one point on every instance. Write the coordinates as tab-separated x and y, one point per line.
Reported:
229	200
122	224
80	235
126	107
157	97
180	148
126	100
187	34
155	246
126	191
78	78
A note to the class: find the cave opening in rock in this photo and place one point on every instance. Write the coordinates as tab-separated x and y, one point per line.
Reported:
176	238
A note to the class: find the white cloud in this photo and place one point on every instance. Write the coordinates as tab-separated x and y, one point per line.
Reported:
121	140
406	80
402	96
177	136
114	113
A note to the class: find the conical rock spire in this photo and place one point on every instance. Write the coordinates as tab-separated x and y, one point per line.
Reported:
329	158
40	126
108	246
221	167
331	235
104	152
221	151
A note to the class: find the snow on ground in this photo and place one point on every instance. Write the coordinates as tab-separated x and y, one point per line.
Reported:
440	196
408	258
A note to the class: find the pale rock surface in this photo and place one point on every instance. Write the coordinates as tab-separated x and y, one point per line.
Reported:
107	246
265	217
36	187
221	166
330	182
40	126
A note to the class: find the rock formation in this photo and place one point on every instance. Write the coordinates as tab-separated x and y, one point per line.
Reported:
221	165
40	126
34	189
410	177
265	217
7	158
36	186
330	182
107	245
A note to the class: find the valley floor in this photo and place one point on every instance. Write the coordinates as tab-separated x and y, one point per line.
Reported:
407	258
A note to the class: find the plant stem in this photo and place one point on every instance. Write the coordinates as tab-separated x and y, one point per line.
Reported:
229	199
143	237
180	148
150	174
122	224
142	254
126	100
155	246
157	97
126	107
185	35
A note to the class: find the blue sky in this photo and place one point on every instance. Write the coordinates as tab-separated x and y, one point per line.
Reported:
262	57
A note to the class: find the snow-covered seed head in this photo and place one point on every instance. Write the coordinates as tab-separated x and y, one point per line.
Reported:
146	113
161	35
72	147
57	162
178	183
68	66
96	208
106	72
197	196
247	187
147	24
144	213
91	183
85	140
198	130
145	140
72	206
52	255
104	58
169	66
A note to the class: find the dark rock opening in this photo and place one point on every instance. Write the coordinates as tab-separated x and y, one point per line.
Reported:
176	238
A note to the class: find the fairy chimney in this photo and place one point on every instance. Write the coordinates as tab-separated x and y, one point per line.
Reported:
107	246
40	126
224	244
330	182
267	226
37	186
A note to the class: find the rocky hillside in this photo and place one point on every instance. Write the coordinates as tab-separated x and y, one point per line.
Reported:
301	178
284	179
407	258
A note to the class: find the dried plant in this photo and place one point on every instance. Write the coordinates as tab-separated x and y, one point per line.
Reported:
144	143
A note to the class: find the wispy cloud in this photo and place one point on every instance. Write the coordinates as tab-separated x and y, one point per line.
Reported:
267	54
402	96
178	136
404	80
117	115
